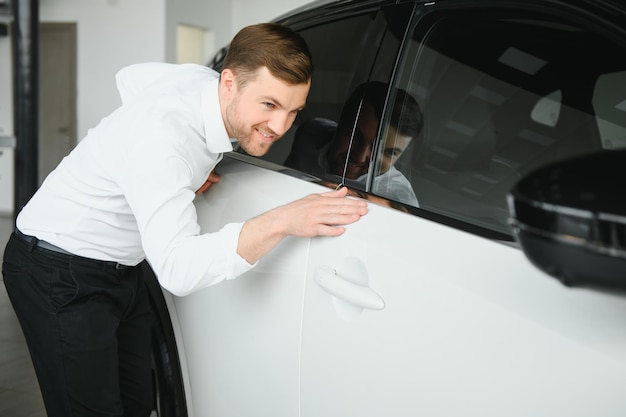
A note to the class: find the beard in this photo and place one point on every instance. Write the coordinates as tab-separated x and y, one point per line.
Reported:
245	135
350	169
250	145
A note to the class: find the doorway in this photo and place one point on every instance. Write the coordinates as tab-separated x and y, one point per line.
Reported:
57	94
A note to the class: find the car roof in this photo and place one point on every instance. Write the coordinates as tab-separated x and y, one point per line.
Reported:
610	10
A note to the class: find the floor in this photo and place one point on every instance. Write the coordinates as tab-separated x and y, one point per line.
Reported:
19	391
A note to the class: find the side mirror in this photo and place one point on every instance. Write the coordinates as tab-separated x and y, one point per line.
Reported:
570	219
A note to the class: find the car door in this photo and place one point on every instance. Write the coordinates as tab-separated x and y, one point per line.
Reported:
241	338
431	308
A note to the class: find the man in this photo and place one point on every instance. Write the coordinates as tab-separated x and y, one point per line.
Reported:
125	194
343	152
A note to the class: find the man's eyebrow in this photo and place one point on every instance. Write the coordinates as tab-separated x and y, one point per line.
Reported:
279	104
393	148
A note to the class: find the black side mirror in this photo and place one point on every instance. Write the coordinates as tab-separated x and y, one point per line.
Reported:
570	219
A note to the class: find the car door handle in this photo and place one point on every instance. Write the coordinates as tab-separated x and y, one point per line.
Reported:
360	295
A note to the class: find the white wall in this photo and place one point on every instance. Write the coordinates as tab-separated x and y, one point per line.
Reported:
111	34
115	33
212	16
222	18
247	12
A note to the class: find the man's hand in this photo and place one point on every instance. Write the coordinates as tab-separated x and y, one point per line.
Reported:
214	177
323	214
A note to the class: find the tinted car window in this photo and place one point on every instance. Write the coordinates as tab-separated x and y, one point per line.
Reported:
343	49
337	135
503	93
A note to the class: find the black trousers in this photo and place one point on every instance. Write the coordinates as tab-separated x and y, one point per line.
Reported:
87	324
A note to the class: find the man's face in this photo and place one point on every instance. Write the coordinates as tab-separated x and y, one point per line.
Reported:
360	150
258	114
395	144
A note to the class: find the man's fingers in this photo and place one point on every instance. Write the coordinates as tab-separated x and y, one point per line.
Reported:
341	192
325	230
332	209
214	177
347	206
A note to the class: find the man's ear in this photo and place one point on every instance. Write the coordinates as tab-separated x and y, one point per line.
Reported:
228	81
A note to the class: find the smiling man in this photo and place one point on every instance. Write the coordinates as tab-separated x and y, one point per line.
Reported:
125	194
269	104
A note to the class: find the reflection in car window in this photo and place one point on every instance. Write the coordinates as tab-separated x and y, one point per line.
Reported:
503	94
609	105
343	50
342	152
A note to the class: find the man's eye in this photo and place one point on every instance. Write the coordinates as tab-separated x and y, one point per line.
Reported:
391	152
269	105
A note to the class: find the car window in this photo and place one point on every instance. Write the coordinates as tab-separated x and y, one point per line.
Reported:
343	48
502	93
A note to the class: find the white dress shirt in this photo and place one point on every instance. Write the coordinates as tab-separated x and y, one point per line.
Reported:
126	192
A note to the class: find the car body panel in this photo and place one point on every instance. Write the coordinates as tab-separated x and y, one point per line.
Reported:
242	337
489	332
469	327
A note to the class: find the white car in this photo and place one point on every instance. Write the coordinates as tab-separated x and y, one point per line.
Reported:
427	306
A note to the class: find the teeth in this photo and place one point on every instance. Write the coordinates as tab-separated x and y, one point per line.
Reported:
267	135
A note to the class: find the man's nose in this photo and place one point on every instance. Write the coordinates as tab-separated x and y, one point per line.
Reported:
361	152
280	122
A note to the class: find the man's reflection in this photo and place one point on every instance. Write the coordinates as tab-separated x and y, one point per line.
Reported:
342	152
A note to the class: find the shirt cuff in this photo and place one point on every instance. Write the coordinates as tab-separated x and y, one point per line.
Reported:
240	265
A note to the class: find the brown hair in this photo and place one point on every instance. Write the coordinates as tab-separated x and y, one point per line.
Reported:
277	47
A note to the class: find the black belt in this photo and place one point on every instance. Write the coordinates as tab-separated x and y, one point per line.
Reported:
42	244
32	240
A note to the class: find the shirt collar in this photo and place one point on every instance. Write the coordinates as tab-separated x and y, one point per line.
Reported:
215	134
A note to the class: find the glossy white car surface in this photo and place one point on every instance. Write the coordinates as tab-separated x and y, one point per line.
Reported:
431	310
469	326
